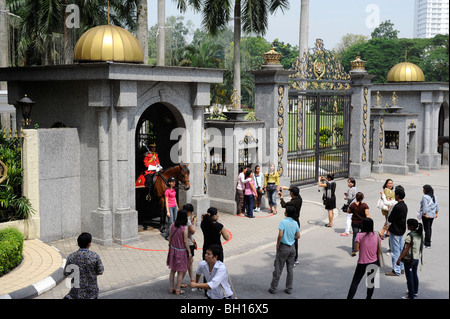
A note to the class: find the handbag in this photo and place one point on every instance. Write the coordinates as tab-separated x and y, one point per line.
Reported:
345	207
381	205
271	187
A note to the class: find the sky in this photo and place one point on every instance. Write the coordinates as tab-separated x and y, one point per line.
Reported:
329	19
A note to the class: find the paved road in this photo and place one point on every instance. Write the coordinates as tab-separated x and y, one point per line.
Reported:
326	266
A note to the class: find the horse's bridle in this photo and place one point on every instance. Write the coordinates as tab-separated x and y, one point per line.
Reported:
180	173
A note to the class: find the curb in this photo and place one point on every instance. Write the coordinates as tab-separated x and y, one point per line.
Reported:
41	286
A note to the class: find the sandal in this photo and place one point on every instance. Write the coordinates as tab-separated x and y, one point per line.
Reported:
183	285
179	292
329	225
171	291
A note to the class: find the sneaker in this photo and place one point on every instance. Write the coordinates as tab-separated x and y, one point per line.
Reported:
405	296
392	273
295	262
407	293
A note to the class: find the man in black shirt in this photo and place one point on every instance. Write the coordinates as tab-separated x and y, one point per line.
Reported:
296	202
397	219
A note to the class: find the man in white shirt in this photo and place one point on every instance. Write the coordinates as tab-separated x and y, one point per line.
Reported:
215	274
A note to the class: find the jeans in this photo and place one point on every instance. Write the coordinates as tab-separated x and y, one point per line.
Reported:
412	280
396	243
356	229
272	195
427	223
249	199
285	255
359	273
172	218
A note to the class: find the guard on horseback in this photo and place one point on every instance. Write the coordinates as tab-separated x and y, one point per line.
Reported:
151	162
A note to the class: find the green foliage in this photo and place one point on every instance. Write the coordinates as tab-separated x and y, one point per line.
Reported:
11	246
381	54
325	132
13	205
43	20
289	53
385	30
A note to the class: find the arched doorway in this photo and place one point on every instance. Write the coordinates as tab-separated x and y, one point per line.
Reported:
443	131
155	125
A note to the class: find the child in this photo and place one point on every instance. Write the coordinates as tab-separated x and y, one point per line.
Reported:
249	193
411	255
171	203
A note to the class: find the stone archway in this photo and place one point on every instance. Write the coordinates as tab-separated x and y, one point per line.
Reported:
155	124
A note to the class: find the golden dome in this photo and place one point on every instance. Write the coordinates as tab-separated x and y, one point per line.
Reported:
405	72
108	43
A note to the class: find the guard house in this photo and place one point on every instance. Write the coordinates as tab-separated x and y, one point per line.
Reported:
81	164
408	115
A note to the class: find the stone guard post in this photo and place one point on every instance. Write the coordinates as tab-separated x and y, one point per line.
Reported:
271	107
361	81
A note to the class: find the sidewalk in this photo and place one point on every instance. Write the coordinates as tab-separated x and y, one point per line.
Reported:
145	260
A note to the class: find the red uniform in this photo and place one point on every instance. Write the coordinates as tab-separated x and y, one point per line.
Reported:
151	159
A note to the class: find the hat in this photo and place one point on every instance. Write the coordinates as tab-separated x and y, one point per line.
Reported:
294	190
171	179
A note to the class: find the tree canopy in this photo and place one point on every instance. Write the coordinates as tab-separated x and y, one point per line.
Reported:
381	54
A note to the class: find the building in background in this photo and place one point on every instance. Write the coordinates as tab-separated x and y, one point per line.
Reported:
430	18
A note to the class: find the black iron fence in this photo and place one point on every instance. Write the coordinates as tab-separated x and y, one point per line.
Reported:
318	135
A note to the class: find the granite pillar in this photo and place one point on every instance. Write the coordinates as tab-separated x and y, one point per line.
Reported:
360	166
125	220
430	158
201	98
271	107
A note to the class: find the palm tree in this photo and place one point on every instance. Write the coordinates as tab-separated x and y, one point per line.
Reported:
42	19
182	6
142	26
250	16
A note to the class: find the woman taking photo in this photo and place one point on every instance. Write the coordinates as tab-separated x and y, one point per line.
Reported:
329	198
212	231
359	211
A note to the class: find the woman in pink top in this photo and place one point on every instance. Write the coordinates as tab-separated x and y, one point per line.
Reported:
367	243
249	193
171	203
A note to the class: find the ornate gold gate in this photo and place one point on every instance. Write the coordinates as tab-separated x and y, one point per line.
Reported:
319	117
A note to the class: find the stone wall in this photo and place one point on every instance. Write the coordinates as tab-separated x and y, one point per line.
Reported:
52	174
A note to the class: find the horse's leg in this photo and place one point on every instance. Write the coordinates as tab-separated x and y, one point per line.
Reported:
163	215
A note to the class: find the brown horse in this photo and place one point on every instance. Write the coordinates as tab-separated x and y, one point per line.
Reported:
181	173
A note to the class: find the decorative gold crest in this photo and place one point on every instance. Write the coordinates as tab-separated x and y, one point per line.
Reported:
319	69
